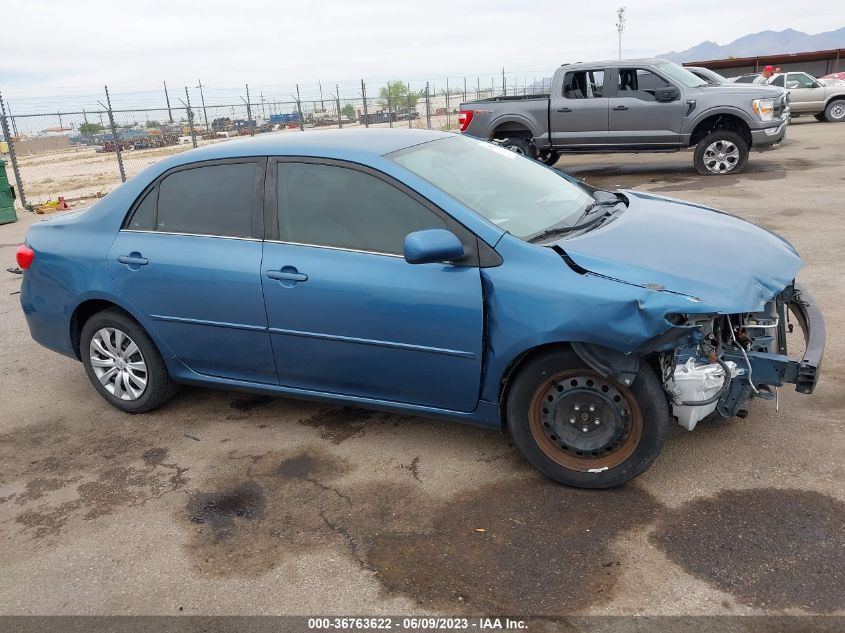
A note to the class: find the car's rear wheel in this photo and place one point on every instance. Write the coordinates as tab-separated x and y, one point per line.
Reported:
123	363
835	111
721	152
583	429
521	146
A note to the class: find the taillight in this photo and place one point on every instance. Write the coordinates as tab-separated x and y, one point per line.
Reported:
464	119
24	255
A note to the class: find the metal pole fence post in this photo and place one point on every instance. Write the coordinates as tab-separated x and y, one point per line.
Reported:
115	140
364	95
204	112
190	118
427	108
504	84
299	109
249	112
448	115
339	112
409	105
167	98
389	113
12	155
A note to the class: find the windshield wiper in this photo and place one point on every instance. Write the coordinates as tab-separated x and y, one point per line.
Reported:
563	230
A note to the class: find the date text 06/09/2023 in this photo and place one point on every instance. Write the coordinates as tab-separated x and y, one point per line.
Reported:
415	624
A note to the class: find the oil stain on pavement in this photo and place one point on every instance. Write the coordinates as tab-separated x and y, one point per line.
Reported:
771	548
499	548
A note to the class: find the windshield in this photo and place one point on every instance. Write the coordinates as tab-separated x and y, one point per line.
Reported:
681	75
710	75
517	194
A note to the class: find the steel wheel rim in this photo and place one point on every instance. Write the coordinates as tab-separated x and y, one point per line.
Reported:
837	111
515	149
602	448
720	157
118	364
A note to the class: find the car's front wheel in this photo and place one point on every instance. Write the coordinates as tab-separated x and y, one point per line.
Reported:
583	429
123	363
721	152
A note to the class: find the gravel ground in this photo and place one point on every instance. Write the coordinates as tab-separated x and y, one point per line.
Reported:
226	503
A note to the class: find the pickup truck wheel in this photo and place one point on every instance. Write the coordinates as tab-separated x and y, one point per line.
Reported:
582	429
720	152
835	111
521	146
123	363
548	157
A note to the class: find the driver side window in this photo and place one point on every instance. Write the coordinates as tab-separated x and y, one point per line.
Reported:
639	83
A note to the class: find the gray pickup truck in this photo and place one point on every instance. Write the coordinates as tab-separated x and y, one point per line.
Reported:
641	105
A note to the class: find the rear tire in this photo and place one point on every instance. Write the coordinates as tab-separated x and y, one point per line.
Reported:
719	153
626	426
522	146
549	158
123	363
835	111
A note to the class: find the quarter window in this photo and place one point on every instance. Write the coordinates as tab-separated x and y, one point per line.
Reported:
144	218
325	205
210	200
639	83
585	84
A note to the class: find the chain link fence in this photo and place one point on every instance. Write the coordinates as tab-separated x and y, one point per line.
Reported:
86	152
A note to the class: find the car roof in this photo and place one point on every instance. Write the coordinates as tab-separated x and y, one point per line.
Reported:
372	143
608	63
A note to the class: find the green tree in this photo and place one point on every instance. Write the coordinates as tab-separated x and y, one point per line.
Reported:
348	111
399	96
152	125
90	128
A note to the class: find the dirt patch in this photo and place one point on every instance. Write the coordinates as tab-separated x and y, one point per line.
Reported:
154	456
770	548
339	424
250	403
220	509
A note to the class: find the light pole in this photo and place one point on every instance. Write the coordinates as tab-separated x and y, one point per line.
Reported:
620	26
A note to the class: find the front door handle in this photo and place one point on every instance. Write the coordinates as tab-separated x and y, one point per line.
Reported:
620	107
287	274
564	109
133	259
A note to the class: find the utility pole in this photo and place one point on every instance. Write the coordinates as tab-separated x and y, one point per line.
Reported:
167	98
504	84
12	156
114	136
263	113
249	112
204	113
299	108
364	97
620	26
339	114
322	105
190	118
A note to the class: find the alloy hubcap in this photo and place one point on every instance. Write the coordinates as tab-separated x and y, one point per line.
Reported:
721	157
118	363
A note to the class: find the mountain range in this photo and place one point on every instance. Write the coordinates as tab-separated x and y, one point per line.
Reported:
762	43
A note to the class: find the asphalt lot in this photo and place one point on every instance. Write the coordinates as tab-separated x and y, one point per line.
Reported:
228	503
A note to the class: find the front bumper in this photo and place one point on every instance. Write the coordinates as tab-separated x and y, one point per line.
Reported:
775	370
770	135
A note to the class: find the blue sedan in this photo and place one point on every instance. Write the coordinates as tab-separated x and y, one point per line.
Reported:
427	273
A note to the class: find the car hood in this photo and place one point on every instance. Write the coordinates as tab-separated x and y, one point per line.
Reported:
710	257
763	91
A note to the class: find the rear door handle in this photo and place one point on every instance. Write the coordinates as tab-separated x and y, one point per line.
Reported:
288	273
564	109
133	259
620	107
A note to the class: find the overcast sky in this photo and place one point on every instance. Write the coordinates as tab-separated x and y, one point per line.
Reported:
50	48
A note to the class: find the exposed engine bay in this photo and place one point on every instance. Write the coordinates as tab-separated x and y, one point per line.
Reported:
736	357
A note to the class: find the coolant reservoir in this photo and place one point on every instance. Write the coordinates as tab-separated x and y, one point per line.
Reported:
693	382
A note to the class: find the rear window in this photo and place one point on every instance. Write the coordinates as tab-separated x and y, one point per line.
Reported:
209	200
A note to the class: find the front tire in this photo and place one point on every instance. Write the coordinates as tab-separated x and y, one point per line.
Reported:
123	363
719	153
522	146
835	111
549	157
582	429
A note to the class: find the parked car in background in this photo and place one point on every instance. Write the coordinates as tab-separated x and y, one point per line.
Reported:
835	76
427	273
710	76
807	95
751	78
641	105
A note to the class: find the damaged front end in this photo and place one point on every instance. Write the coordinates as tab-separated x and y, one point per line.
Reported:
728	359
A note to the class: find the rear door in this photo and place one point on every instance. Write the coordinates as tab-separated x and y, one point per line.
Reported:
579	112
636	117
189	260
347	314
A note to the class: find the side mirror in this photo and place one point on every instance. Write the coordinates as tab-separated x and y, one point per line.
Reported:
667	94
432	245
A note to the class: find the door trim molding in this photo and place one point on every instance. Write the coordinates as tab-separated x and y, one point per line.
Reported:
234	326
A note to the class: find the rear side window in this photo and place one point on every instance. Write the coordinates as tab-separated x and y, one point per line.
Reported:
325	205
144	218
585	84
210	200
639	83
777	81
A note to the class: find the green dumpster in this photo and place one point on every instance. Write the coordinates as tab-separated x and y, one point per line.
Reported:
7	204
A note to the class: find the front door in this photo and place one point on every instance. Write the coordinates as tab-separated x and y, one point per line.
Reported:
806	94
347	314
636	117
578	114
189	260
